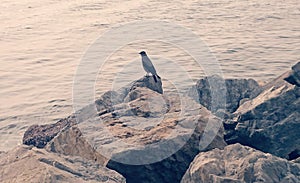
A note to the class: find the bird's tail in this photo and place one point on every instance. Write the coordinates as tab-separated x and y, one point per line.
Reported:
154	77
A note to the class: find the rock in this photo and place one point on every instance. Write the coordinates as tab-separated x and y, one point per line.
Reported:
146	103
271	121
111	98
137	130
295	155
29	164
294	75
296	160
237	163
236	90
151	136
40	135
155	125
148	82
70	142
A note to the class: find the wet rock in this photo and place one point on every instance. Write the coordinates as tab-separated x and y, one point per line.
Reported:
271	121
237	163
29	164
40	135
236	91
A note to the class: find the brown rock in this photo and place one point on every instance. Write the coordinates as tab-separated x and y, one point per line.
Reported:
237	163
145	135
155	125
70	142
110	99
29	164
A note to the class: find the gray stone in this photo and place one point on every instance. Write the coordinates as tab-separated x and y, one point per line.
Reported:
294	76
236	90
271	121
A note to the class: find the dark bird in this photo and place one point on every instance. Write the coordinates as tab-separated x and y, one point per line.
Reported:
148	66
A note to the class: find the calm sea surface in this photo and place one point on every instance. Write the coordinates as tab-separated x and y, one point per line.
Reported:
43	42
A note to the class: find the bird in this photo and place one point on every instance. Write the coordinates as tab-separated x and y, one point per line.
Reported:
148	66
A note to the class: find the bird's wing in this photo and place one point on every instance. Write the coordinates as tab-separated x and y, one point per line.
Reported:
148	65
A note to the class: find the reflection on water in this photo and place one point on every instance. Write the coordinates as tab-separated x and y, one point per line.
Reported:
41	45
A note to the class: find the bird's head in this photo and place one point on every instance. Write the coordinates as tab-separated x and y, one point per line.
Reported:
142	53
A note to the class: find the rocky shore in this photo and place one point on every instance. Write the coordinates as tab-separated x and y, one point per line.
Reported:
142	134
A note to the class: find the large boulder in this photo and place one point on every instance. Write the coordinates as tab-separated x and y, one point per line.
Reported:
137	131
40	135
30	164
111	98
240	164
271	121
236	90
151	137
